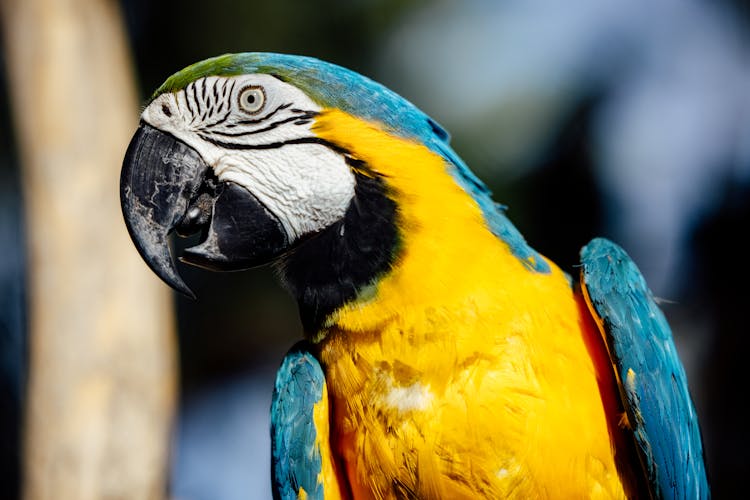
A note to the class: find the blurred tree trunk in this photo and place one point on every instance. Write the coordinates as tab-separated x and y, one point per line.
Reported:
102	352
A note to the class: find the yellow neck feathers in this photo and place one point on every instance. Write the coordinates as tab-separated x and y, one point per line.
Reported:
447	250
463	374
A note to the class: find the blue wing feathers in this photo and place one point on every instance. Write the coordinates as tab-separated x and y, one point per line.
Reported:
296	459
652	379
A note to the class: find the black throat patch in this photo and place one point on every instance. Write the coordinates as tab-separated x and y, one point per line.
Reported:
331	267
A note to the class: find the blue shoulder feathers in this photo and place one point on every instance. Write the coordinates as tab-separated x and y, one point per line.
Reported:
652	381
296	458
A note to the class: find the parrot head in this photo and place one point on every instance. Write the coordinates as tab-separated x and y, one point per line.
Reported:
271	158
227	148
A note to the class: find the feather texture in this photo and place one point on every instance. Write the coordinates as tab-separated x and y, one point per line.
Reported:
302	464
449	358
651	378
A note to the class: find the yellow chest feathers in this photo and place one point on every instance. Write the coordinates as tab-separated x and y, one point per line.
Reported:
463	373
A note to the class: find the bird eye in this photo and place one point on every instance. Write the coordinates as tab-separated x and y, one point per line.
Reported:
252	99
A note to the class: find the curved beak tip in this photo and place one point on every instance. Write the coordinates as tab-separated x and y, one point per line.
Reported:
152	243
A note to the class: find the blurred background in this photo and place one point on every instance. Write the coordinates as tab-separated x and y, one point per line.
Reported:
628	119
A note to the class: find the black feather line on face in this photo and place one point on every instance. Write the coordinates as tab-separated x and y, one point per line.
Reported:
217	122
187	101
274	145
329	269
203	89
267	128
266	117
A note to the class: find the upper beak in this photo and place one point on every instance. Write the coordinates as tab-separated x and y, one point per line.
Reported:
165	186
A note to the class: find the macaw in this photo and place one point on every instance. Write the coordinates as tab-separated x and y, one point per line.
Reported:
443	357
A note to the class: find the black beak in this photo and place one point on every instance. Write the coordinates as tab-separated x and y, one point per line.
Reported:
166	186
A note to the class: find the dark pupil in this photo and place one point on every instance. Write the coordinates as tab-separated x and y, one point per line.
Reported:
250	98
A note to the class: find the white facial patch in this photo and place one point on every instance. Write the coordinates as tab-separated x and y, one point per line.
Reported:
255	130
